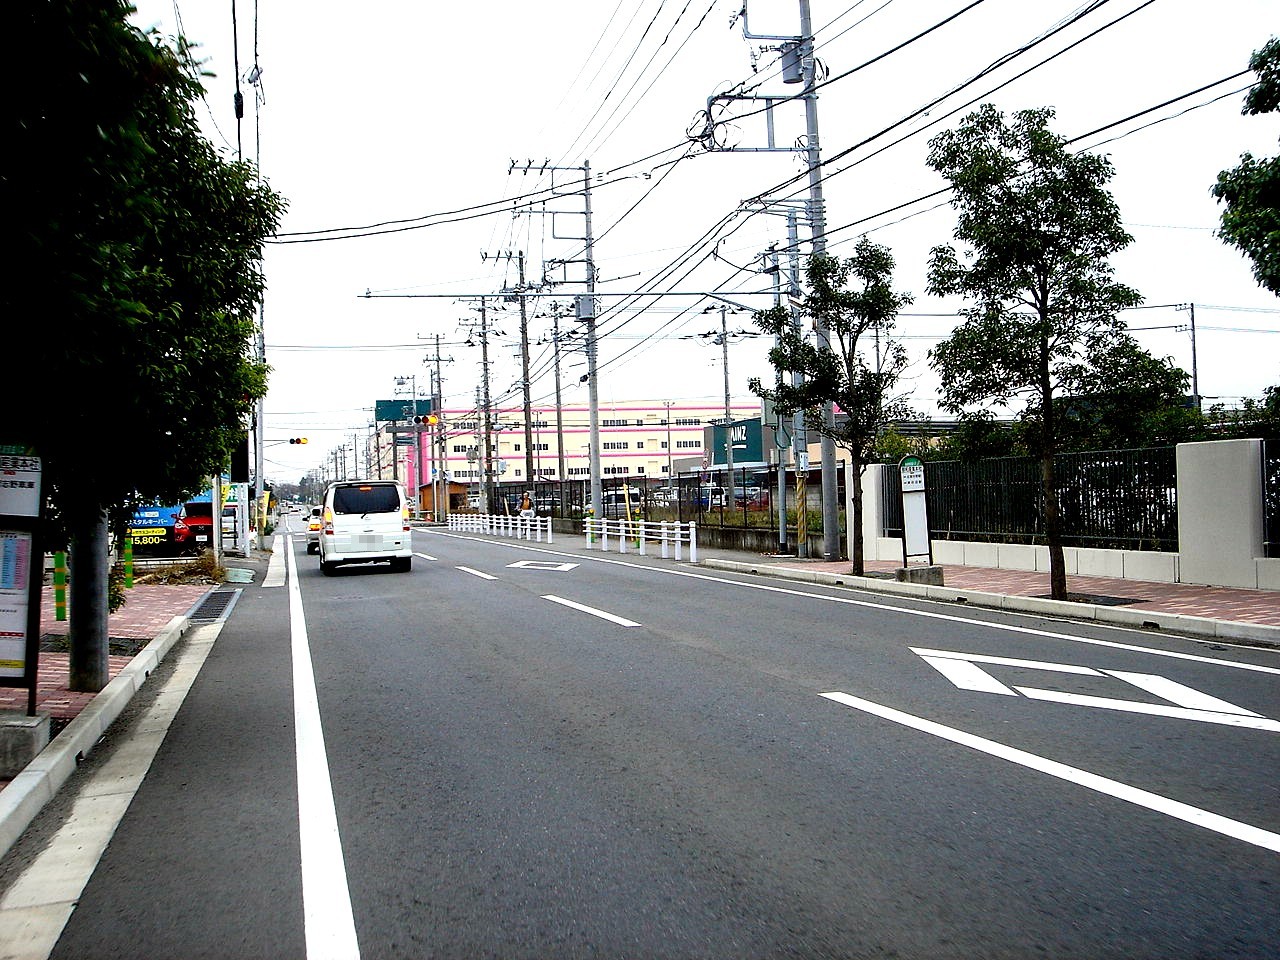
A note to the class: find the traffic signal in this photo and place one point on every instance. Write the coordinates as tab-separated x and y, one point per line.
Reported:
429	419
297	439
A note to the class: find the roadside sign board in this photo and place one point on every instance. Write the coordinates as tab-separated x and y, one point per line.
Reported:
915	513
404	408
21	566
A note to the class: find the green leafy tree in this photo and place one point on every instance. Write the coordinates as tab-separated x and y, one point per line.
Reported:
859	318
136	261
1042	316
1251	190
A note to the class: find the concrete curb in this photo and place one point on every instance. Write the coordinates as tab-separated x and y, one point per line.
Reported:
1257	633
27	793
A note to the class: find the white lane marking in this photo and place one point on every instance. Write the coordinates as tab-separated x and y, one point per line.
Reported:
275	566
1252	721
621	621
543	565
1175	692
907	611
962	669
328	922
37	906
1112	788
425	556
929	654
476	573
968	676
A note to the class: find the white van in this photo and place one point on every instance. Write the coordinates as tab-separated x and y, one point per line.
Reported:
365	521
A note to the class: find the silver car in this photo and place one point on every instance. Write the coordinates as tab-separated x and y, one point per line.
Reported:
313	529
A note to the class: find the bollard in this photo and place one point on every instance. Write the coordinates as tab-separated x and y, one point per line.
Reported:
60	585
128	563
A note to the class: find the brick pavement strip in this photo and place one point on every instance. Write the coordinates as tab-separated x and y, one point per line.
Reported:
148	610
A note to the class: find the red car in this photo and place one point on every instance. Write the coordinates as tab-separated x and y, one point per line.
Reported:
193	526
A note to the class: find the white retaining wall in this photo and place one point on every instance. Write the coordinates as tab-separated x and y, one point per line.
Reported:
1219	529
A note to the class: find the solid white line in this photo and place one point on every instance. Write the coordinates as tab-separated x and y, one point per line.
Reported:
1091	781
906	611
1253	722
328	922
1007	661
621	621
476	573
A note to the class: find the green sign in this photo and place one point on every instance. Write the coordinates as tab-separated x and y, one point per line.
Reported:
402	409
748	443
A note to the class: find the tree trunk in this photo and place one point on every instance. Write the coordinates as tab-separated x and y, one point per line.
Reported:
89	665
1048	483
1052	528
855	518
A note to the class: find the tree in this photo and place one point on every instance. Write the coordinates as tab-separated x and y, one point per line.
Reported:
840	373
1043	313
136	258
1251	191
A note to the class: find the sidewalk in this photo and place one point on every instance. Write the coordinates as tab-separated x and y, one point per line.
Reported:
1187	601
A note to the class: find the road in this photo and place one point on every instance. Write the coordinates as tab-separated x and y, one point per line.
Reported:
515	751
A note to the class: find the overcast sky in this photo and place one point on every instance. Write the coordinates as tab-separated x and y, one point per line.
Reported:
391	128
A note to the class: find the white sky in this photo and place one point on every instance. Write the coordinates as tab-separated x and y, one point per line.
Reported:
398	110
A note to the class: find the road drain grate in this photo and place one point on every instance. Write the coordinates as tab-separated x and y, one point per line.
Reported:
215	606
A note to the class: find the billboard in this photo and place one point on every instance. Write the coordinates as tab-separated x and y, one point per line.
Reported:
173	530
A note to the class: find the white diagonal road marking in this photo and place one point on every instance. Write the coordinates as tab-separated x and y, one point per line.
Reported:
1113	788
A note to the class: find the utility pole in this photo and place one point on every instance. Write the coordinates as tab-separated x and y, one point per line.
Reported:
798	66
799	429
593	384
437	404
818	225
524	378
555	333
486	488
731	500
587	309
1195	372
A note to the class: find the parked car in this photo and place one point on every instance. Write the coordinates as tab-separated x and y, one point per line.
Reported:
193	526
709	496
365	521
314	523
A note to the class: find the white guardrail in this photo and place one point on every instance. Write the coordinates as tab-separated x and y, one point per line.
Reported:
670	534
497	525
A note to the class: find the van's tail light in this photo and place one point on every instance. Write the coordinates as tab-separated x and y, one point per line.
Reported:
404	518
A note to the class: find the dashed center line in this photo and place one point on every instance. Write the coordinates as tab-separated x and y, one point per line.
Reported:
476	573
603	615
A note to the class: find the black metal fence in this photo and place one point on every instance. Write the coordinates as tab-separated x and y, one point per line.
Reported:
1115	499
1271	497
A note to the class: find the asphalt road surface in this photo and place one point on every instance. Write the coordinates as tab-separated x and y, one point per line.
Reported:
517	752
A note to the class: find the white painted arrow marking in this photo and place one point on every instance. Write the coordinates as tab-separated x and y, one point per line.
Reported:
1189	704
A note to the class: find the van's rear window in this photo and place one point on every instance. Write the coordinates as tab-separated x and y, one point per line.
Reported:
375	498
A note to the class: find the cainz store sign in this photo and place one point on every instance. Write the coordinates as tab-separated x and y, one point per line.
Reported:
747	437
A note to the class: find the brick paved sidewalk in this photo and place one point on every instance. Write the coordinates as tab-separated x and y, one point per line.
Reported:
1215	603
147	611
